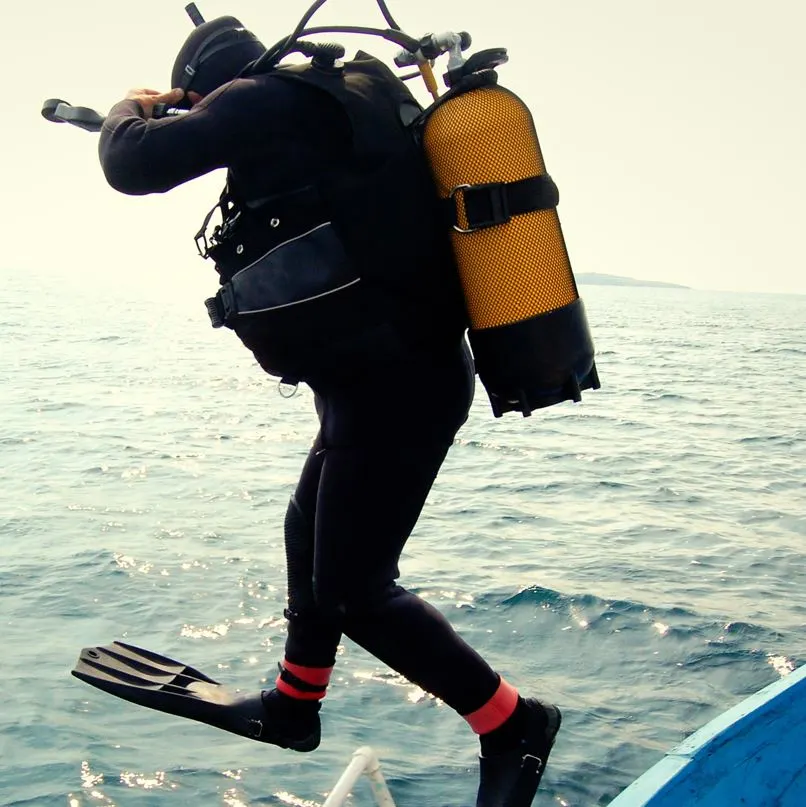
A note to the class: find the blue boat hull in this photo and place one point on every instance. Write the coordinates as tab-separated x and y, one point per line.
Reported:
753	754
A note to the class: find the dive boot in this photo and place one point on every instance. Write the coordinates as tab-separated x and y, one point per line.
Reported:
510	779
290	723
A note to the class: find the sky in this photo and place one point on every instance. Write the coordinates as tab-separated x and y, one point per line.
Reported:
676	132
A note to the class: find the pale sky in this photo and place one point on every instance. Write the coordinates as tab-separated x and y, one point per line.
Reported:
676	131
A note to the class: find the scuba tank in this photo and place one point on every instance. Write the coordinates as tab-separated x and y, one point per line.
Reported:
529	333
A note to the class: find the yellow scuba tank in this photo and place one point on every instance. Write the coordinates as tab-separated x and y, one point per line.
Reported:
528	331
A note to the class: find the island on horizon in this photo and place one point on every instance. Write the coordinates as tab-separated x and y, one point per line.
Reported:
595	279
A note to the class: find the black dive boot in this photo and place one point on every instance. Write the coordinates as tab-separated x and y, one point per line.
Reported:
510	779
290	723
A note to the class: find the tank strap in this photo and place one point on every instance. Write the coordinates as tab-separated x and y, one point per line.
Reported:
474	207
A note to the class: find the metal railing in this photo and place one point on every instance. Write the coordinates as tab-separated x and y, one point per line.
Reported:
364	763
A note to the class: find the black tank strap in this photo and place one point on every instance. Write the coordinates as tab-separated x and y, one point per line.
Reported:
475	207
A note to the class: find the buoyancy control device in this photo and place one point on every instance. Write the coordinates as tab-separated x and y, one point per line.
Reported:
351	271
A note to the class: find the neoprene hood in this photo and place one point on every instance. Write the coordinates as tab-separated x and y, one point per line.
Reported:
214	53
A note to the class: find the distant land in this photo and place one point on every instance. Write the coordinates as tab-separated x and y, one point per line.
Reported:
595	279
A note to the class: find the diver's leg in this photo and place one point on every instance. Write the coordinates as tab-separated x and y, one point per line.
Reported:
369	501
292	706
313	633
516	734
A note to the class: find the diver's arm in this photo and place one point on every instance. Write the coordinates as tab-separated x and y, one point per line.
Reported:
141	155
246	121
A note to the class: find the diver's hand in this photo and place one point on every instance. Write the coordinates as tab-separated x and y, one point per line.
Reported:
149	98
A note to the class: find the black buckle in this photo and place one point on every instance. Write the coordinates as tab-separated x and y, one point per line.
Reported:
221	231
485	206
202	245
221	308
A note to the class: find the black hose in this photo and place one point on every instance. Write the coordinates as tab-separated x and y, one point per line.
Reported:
286	45
392	35
387	15
276	52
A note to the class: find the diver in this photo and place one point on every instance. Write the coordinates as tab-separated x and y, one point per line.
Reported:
323	177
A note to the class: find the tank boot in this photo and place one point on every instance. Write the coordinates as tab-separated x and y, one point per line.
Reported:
290	723
511	778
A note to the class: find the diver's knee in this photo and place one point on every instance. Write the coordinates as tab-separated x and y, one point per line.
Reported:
356	600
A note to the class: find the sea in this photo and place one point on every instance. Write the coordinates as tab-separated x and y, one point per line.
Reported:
639	558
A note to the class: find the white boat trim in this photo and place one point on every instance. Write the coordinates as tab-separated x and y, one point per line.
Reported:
364	763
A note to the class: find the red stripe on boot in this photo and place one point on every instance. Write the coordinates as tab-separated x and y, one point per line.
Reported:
500	707
293	692
315	676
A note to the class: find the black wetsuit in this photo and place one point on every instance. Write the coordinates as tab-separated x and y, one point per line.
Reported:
383	436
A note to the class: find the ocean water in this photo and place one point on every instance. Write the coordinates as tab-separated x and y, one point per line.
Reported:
638	558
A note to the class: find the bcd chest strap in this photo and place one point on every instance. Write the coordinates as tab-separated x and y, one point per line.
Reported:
475	207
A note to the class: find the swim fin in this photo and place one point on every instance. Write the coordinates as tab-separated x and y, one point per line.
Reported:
149	679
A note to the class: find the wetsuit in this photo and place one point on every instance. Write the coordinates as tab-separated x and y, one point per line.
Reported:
383	434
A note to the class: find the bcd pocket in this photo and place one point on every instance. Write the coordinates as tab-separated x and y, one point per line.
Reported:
294	303
292	274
